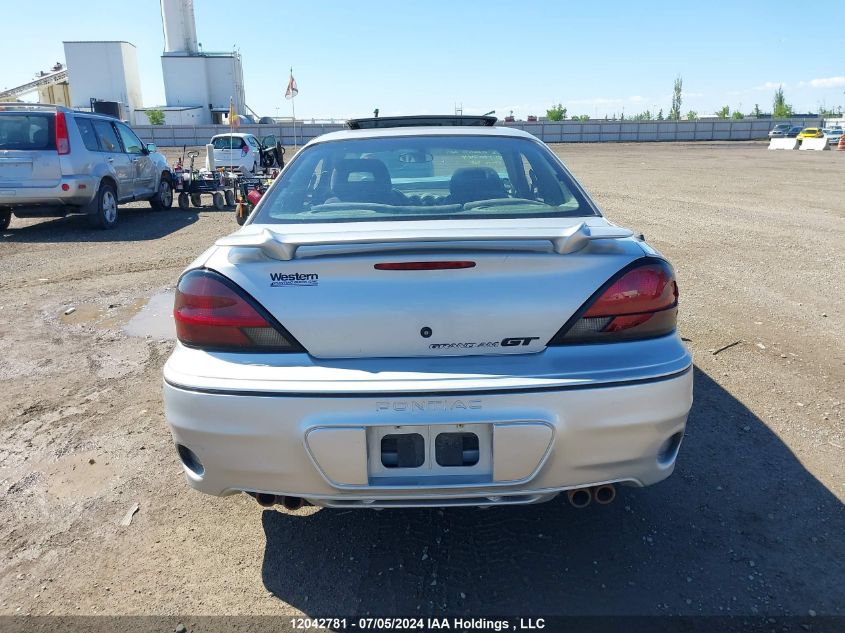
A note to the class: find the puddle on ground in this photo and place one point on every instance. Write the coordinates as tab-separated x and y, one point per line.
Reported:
84	313
155	319
112	316
116	317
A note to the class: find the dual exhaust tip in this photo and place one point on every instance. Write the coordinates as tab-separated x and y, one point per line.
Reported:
266	500
582	497
578	497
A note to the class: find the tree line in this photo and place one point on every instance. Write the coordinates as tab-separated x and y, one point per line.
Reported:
780	110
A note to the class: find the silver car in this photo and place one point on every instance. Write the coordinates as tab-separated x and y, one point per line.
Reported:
780	130
55	161
833	135
427	312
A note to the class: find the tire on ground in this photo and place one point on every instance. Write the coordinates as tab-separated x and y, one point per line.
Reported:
163	198
5	219
105	207
184	203
218	200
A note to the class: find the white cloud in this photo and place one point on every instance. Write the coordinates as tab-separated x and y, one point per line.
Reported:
827	82
771	85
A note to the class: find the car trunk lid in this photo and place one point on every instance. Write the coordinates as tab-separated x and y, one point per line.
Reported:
516	284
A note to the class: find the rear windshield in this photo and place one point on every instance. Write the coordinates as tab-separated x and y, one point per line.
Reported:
423	177
27	131
228	142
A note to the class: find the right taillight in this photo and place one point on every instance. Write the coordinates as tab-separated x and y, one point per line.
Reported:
62	137
639	302
212	313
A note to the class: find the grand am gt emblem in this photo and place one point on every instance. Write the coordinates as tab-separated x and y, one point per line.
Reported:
419	406
519	340
505	342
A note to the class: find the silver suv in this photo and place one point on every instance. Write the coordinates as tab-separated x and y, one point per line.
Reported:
55	161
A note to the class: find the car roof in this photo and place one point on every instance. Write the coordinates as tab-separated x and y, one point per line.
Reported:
238	134
439	130
46	108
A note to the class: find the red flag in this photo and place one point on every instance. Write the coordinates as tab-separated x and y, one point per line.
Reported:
292	90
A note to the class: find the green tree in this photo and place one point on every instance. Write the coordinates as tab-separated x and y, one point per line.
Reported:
724	113
675	110
556	113
737	115
692	115
584	117
660	115
780	108
155	116
756	111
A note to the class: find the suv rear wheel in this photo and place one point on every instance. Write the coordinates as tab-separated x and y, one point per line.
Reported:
163	199
105	215
5	219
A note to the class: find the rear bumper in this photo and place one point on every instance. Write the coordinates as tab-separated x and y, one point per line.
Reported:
320	446
45	200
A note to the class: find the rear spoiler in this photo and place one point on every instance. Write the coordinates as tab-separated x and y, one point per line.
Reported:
283	246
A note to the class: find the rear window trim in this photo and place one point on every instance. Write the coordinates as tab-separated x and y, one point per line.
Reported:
543	146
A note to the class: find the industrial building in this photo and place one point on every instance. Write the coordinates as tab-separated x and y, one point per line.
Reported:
202	81
103	76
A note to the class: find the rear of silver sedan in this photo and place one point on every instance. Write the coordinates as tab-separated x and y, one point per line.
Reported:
462	431
427	319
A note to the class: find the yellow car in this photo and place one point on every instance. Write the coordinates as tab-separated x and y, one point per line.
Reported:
811	132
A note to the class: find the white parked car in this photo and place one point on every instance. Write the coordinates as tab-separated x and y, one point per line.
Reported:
833	135
427	311
238	152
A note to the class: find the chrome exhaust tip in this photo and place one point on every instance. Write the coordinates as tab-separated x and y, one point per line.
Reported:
579	497
604	494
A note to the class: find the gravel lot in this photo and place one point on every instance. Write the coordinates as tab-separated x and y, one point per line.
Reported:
752	521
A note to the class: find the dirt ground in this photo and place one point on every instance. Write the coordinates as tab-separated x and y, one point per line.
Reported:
752	521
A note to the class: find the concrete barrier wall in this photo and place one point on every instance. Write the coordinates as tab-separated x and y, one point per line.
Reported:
818	144
550	132
783	143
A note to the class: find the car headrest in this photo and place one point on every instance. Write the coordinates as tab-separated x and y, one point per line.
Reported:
469	184
368	172
39	138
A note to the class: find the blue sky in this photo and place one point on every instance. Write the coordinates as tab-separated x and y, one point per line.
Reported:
426	56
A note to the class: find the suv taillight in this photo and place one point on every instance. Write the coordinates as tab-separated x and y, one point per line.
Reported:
211	312
639	302
62	138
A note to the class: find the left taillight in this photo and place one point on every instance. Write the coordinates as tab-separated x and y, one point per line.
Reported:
639	302
62	138
213	313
